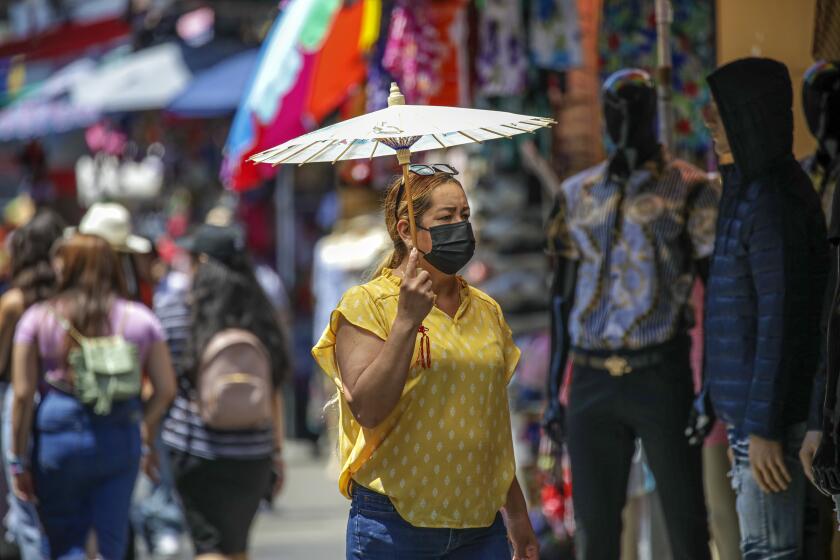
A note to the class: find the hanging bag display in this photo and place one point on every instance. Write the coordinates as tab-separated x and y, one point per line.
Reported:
106	369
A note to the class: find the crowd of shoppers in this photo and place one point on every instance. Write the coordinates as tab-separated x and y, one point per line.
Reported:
88	378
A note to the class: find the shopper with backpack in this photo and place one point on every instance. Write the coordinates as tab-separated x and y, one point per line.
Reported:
83	351
225	428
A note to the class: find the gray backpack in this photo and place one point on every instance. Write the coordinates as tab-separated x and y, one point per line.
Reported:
234	382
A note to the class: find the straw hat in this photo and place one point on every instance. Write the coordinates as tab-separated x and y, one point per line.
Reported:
112	222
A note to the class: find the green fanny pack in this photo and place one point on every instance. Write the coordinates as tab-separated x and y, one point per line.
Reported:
106	369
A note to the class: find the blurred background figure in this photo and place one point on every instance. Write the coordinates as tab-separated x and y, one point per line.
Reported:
80	484
221	318
33	281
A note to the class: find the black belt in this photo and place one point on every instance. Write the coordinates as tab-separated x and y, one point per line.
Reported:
620	363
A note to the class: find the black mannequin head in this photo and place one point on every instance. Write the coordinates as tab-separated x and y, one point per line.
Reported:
821	103
629	98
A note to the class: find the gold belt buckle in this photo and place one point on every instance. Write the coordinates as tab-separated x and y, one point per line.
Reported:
617	366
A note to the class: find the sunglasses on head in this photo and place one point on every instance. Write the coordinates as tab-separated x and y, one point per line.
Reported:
431	169
423	170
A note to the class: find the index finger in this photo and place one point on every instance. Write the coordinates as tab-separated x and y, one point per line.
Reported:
758	475
411	267
781	467
775	478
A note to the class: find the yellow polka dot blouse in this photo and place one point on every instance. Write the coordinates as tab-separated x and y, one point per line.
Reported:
445	454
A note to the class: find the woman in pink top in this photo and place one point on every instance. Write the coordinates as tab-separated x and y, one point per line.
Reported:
83	467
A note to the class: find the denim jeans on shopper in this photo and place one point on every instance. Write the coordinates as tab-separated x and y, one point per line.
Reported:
375	531
771	524
85	467
836	499
157	514
22	520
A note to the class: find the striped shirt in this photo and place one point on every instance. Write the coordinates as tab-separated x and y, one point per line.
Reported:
636	242
825	181
183	428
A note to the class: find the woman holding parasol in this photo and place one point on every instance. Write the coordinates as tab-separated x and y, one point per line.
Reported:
422	361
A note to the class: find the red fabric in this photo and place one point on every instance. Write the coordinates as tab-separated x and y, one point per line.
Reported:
67	40
287	126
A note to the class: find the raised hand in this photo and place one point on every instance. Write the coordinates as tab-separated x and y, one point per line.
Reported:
416	295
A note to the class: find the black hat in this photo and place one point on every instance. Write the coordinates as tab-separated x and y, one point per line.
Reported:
219	242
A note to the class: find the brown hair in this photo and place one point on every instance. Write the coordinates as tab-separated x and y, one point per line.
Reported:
395	210
32	272
89	280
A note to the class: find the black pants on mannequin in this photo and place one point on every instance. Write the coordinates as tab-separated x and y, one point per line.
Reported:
604	417
819	525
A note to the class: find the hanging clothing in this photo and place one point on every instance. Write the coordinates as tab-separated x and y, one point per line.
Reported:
555	33
425	51
628	38
501	64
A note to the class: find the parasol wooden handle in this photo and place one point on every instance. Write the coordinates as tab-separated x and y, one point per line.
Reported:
404	157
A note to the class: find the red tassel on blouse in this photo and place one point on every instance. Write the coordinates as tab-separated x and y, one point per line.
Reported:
424	359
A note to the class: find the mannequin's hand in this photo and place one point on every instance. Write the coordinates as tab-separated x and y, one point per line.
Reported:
826	466
701	419
806	453
554	422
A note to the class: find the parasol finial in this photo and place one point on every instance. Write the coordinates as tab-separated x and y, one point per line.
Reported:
395	97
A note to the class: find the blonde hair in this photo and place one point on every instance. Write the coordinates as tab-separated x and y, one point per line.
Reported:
395	210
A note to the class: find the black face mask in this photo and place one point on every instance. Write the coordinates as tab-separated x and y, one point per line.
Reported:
453	245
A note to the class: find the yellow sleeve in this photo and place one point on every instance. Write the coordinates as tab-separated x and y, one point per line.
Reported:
509	349
359	308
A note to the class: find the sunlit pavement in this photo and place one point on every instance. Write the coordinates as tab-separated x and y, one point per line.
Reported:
308	520
310	517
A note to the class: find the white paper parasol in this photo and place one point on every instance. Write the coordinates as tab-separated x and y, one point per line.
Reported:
399	130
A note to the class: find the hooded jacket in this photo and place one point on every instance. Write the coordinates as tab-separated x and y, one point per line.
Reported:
768	271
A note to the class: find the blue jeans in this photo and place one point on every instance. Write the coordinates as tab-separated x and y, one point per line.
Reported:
771	524
375	531
159	514
84	469
836	499
22	520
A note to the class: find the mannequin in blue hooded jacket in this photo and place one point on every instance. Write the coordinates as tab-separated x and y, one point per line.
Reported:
764	299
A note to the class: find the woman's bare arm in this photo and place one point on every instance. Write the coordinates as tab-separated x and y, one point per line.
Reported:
11	309
373	372
162	377
24	385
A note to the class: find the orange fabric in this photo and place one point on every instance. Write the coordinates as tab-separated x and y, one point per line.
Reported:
443	16
340	63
